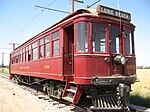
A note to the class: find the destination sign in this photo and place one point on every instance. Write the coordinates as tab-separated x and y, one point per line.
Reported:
113	12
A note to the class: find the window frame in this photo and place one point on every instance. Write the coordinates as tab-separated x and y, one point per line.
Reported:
33	48
45	44
55	39
120	40
41	45
106	38
87	39
130	42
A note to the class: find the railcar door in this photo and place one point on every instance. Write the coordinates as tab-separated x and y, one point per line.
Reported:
69	50
115	37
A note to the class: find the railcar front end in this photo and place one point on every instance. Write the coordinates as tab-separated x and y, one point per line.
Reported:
104	59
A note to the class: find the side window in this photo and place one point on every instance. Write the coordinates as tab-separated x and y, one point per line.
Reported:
82	41
27	51
23	55
55	43
20	55
29	54
42	48
98	38
47	46
16	59
35	50
12	61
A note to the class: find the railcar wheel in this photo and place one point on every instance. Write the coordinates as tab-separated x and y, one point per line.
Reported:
17	79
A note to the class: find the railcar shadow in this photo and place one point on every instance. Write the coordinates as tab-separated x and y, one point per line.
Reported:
139	100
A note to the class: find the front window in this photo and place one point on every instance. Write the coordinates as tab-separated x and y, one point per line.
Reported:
115	39
128	42
82	41
98	38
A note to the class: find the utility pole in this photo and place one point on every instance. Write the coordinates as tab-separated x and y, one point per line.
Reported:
14	44
3	55
73	4
2	59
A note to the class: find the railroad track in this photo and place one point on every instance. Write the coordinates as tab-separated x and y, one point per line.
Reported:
135	108
37	91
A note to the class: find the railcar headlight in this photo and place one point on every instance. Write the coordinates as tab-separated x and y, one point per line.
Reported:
120	60
123	60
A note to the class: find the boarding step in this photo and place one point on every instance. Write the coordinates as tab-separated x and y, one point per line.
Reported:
72	82
71	90
68	98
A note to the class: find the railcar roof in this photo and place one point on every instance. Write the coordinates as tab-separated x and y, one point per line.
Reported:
79	11
93	12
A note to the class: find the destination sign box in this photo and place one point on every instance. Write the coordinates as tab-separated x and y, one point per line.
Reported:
113	12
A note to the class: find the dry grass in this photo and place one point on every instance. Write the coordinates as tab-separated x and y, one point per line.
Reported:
4	70
141	90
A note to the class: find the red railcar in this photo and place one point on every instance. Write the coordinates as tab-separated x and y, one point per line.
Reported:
87	55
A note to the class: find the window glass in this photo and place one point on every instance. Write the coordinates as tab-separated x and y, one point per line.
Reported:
56	48
12	61
21	56
26	49
41	41
29	47
98	38
47	39
55	35
115	39
27	56
41	51
128	42
35	44
35	53
47	47
82	43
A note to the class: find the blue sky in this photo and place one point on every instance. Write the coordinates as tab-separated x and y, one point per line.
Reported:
17	23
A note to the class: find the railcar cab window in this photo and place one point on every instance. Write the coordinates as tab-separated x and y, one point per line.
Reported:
81	39
35	50
128	42
115	39
98	37
55	43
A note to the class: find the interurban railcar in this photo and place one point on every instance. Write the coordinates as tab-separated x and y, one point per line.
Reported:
87	56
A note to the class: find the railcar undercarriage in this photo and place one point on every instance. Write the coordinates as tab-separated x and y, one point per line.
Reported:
95	97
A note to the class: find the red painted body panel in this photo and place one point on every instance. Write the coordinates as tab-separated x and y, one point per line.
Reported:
50	68
89	66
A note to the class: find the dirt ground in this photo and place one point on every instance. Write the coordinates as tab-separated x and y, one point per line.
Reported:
13	98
